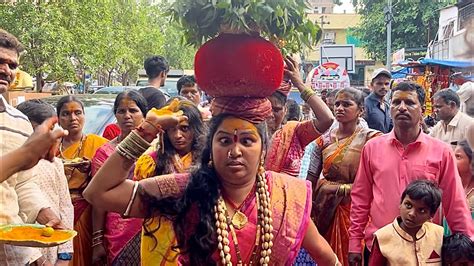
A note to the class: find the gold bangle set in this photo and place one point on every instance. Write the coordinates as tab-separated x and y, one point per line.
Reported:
307	93
132	146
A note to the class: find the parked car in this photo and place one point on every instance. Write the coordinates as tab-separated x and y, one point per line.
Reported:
93	88
115	89
98	110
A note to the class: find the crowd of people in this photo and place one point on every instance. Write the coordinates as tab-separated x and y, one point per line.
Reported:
357	179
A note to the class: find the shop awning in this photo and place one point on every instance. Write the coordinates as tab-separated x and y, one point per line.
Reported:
447	63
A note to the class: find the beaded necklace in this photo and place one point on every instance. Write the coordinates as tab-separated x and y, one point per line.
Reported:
264	227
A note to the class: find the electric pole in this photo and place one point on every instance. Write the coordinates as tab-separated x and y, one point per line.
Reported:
322	23
388	21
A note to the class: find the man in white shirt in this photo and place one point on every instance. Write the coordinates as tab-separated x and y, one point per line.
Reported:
453	123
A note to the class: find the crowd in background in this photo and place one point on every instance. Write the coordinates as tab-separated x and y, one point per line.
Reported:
363	155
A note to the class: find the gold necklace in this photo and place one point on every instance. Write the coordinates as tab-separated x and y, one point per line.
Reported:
78	151
348	138
264	227
239	219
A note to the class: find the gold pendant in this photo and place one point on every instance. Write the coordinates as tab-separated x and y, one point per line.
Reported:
239	220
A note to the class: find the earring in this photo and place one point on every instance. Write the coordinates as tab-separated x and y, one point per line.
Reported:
210	164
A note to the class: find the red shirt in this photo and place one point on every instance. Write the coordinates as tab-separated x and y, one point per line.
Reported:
111	131
386	168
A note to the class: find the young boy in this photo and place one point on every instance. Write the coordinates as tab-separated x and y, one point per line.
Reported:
411	239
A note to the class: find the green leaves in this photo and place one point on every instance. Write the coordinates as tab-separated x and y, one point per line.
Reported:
67	38
282	21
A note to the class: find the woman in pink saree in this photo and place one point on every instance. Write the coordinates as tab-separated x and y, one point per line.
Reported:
191	201
229	209
117	240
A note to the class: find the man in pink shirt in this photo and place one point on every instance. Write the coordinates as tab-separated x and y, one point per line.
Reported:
390	162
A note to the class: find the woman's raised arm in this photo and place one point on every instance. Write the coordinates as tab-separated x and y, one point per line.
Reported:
110	189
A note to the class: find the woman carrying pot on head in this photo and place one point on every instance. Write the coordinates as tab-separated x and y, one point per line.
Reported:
228	210
116	241
76	150
181	147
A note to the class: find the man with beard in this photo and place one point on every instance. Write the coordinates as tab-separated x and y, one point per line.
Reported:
289	140
390	162
377	111
21	201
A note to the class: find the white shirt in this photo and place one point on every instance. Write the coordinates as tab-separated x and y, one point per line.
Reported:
456	130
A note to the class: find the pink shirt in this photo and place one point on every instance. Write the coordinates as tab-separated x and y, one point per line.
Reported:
386	168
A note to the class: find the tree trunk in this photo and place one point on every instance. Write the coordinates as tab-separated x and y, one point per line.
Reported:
109	76
39	81
125	79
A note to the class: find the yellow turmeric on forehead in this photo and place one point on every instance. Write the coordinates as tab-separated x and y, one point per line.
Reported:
232	124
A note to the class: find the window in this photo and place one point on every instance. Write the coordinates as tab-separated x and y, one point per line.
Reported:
329	37
448	30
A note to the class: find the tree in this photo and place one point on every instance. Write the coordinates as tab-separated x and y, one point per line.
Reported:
39	27
110	39
414	24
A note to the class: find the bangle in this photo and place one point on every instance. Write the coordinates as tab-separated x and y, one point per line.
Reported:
97	238
337	261
149	132
132	146
98	232
132	199
307	93
95	244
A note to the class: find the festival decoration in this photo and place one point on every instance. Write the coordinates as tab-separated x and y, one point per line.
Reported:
329	75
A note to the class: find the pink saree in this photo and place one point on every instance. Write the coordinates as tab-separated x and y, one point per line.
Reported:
287	148
119	233
291	208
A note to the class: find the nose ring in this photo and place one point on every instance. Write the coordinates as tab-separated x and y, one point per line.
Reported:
229	154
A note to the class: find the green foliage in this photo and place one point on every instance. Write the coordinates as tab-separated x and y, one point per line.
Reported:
282	21
66	39
415	24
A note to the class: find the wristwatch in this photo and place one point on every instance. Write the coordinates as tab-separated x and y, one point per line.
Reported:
65	256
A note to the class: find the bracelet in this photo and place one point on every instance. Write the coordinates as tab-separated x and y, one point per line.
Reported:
98	232
132	146
307	93
132	199
145	131
345	189
98	238
96	244
338	263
